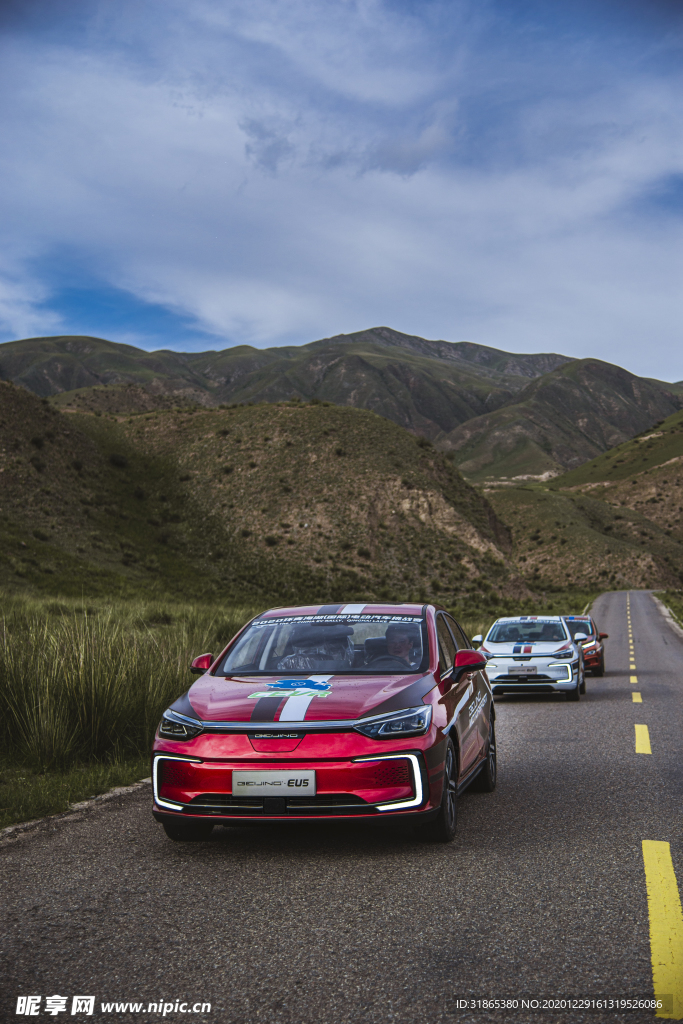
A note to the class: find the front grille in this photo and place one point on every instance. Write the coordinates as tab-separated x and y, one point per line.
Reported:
527	679
329	803
173	773
522	688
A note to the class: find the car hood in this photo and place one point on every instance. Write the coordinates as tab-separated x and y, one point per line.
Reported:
530	650
316	698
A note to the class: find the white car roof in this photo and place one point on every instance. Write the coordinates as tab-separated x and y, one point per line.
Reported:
530	618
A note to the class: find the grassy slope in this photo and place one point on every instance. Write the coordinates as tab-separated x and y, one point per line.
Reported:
170	502
331	501
560	420
571	539
644	475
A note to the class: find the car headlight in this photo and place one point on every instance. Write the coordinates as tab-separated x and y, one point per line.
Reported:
411	722
169	729
569	653
591	643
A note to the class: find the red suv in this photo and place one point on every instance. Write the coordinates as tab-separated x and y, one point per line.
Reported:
593	649
357	711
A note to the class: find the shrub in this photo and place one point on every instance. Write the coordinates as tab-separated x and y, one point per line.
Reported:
120	461
37	463
424	442
364	553
228	470
271	540
41	535
38	441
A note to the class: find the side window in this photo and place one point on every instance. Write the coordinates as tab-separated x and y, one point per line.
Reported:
461	641
446	645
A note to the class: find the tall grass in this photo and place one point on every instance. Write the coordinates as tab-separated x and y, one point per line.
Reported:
79	686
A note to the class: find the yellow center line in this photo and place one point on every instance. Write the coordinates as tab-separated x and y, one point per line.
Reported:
642	740
666	928
637	699
634	679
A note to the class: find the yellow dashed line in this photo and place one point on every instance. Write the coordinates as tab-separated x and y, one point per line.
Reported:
666	928
634	679
637	699
642	740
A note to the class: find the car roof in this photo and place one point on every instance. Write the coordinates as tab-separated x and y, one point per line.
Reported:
530	618
331	611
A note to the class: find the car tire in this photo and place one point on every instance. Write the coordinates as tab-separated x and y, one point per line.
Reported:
574	694
487	778
599	670
442	828
582	684
188	832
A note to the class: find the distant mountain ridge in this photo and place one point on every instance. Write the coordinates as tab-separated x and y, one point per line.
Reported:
500	414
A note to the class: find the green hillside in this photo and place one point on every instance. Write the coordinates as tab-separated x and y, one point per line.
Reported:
574	539
560	420
271	502
644	475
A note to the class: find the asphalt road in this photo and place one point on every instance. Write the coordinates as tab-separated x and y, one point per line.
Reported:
542	895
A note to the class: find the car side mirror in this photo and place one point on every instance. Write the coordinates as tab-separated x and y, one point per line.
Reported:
468	661
201	664
478	639
580	636
603	636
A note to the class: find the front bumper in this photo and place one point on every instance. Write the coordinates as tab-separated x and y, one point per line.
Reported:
371	786
505	677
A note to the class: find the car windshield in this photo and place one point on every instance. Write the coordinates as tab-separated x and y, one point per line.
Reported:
357	644
579	626
518	632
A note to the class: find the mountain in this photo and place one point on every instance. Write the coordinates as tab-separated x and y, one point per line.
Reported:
501	415
560	420
264	503
428	387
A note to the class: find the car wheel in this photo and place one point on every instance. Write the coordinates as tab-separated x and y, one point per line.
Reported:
442	828
582	685
574	694
188	832
489	773
599	669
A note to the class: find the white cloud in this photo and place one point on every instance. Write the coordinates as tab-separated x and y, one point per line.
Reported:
284	172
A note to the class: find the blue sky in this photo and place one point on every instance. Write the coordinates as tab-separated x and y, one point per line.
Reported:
268	172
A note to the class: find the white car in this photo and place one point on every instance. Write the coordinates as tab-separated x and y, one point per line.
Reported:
534	654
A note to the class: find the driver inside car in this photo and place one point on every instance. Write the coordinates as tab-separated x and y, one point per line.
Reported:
319	648
400	642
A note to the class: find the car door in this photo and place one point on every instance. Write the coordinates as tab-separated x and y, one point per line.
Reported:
478	706
456	695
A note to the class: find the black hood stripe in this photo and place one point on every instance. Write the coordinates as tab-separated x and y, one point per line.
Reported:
183	707
408	698
329	609
265	708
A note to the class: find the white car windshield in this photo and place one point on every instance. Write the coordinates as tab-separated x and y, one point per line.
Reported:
359	644
536	632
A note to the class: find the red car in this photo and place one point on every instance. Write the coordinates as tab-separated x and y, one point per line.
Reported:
593	648
357	711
